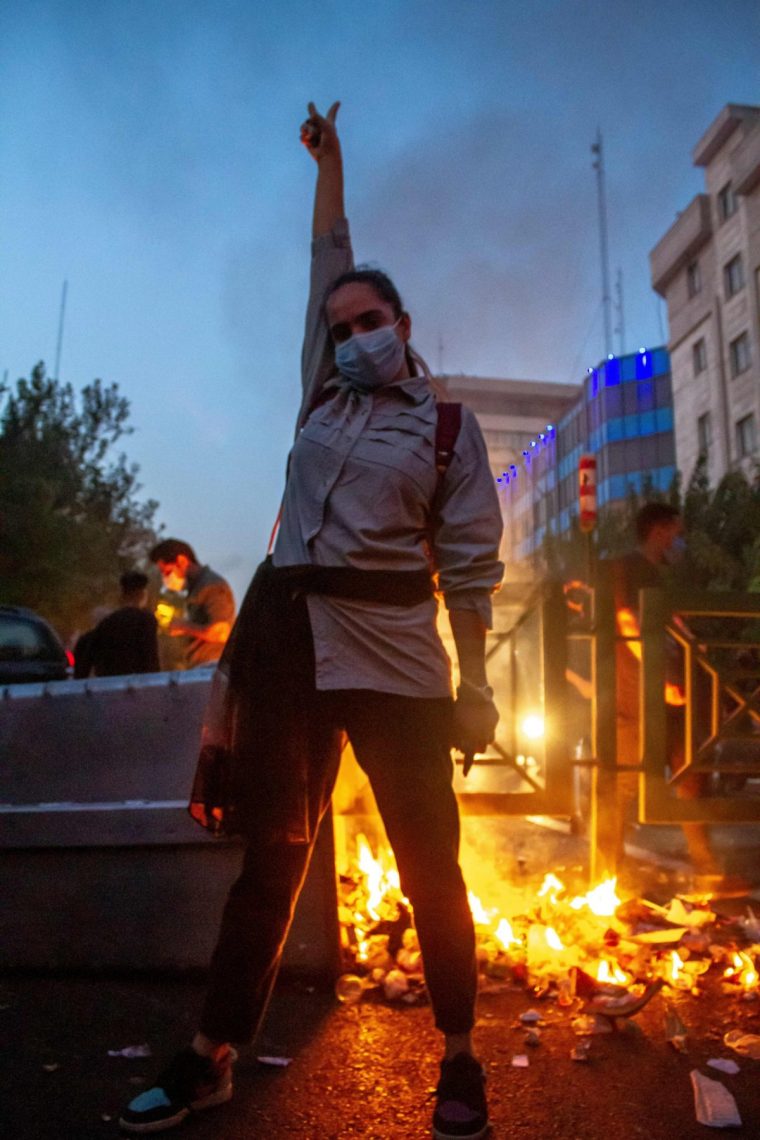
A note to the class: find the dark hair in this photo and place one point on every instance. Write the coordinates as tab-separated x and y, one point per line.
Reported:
652	515
376	279
170	549
133	582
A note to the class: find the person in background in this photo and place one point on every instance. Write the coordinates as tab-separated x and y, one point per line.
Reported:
126	640
342	641
209	605
660	543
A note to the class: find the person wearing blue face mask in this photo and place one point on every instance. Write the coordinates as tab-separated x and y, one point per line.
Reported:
337	638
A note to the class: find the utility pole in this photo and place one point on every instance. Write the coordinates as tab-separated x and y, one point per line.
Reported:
620	326
61	319
598	165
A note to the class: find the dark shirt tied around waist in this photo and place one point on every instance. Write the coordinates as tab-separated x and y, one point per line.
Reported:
252	720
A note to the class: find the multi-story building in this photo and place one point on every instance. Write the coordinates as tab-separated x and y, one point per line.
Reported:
707	267
511	414
623	416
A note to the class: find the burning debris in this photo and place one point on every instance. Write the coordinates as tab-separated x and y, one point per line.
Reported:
594	954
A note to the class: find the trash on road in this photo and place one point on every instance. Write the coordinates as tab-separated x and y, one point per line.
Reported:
132	1051
713	1103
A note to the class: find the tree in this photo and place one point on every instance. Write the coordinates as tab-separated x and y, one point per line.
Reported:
722	527
70	520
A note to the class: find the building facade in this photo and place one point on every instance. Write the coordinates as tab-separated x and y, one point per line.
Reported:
707	268
511	414
623	416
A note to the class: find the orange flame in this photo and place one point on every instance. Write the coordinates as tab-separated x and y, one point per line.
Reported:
610	971
601	901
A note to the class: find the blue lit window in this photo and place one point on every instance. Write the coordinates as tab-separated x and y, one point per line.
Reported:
612	372
644	365
627	368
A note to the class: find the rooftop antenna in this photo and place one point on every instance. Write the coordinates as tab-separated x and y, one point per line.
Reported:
61	318
620	326
597	151
440	355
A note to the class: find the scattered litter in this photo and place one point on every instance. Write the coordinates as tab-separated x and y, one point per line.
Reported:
583	1025
724	1064
277	1062
131	1051
681	915
533	1037
675	1030
520	1061
746	1044
657	937
530	1017
582	1050
750	925
51	1066
713	1103
106	1117
349	989
396	984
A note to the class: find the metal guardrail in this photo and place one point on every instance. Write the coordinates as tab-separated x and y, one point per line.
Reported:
526	667
721	716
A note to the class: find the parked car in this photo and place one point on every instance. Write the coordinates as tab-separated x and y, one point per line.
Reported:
30	649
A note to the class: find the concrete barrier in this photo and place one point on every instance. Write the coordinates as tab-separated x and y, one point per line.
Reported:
102	867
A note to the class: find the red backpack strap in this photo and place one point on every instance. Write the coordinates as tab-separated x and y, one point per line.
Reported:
446	433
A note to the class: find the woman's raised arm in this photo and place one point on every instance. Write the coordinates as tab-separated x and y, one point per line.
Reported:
320	138
331	252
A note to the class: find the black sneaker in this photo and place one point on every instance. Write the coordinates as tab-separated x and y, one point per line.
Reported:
188	1084
461	1111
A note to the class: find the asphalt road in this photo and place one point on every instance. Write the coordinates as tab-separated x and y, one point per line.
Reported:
361	1071
367	1070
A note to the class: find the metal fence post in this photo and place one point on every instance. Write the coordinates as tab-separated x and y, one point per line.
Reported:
604	824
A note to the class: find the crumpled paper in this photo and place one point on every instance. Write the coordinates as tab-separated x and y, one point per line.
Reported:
713	1103
131	1051
724	1064
746	1044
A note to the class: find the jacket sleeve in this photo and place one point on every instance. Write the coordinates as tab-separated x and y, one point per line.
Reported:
468	526
331	255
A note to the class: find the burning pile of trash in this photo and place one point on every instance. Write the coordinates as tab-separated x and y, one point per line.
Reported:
595	952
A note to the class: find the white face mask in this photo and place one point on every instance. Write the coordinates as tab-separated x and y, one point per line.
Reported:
370	360
174	581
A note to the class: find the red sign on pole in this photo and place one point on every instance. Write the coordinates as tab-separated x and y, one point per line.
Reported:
587	492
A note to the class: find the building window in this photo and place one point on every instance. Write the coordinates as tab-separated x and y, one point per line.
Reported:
739	352
704	433
733	275
726	202
693	279
699	355
745	436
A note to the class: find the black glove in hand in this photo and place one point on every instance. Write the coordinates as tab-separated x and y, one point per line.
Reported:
475	720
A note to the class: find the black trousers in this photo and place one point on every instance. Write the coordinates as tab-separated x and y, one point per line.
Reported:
403	744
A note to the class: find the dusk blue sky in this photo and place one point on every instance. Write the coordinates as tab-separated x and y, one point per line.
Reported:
150	157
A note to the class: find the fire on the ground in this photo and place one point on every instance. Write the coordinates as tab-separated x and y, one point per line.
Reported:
612	954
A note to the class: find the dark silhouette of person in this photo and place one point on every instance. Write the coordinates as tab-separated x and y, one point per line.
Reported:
126	641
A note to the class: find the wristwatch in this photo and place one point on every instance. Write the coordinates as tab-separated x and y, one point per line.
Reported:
474	694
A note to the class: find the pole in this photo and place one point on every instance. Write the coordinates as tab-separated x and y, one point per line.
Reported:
620	329
61	318
597	151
